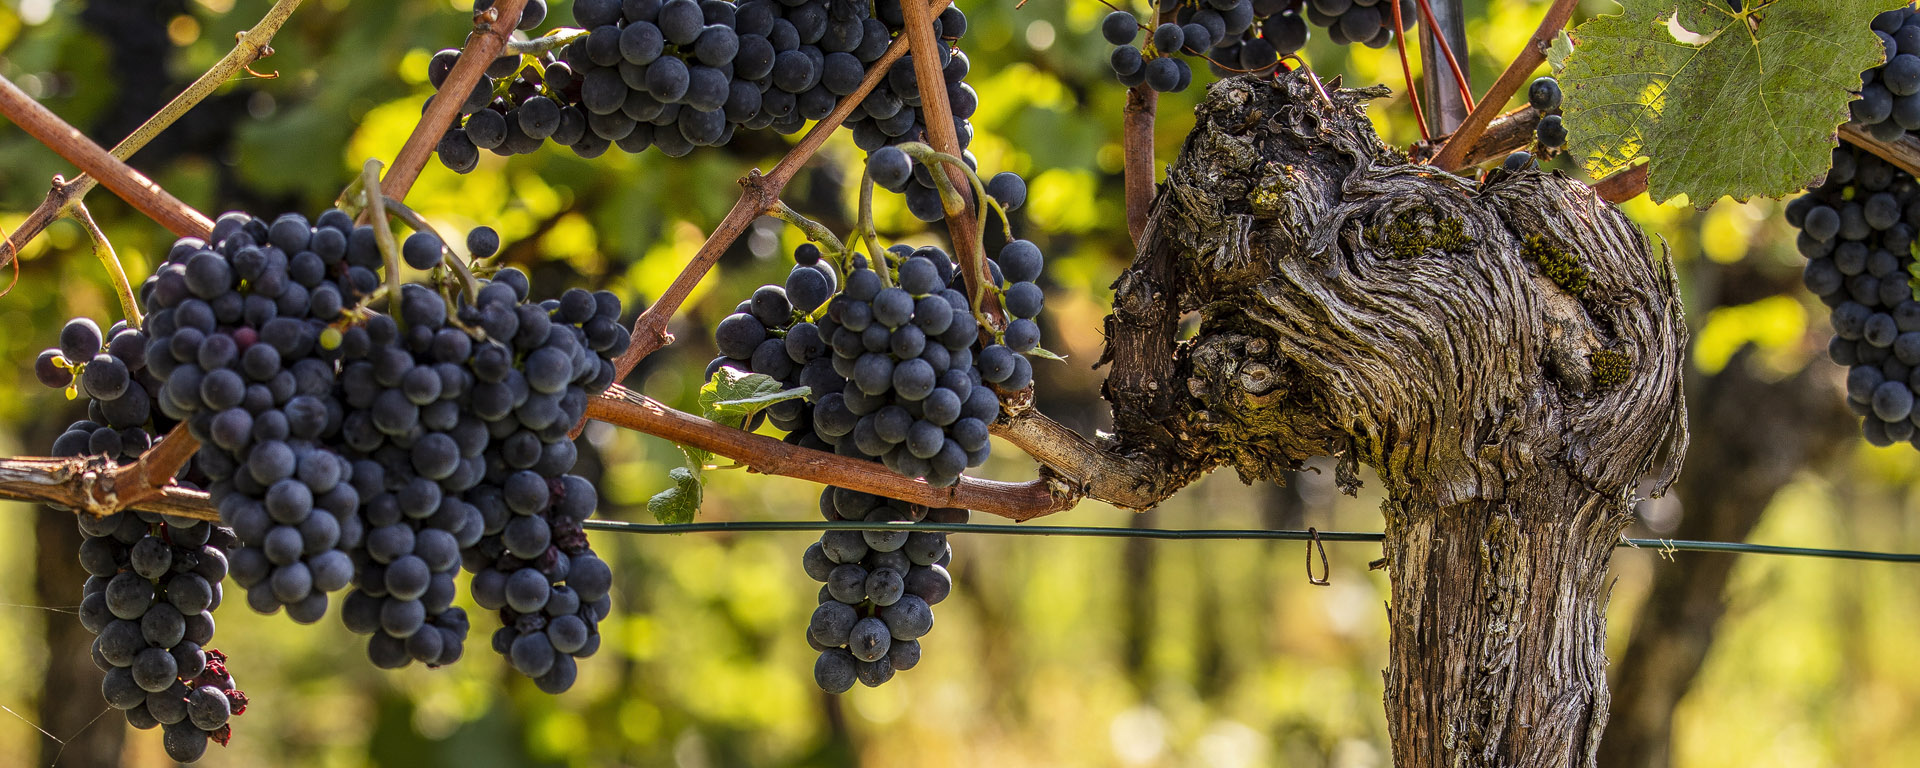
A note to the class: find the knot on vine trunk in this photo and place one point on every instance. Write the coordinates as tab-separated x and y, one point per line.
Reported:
1453	334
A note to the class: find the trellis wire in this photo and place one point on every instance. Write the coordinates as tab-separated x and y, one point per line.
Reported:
1203	534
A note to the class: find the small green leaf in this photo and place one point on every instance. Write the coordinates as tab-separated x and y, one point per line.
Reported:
1722	103
1044	352
732	397
1558	52
697	457
680	503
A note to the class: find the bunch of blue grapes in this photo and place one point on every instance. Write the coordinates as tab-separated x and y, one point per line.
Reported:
1857	231
152	587
532	375
681	74
878	588
342	446
351	447
1236	36
234	325
1889	101
861	633
153	581
897	372
414	452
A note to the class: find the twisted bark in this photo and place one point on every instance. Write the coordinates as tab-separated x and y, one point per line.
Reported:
1506	356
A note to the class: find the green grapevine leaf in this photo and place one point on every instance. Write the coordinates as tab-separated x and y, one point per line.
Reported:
1722	103
681	502
732	397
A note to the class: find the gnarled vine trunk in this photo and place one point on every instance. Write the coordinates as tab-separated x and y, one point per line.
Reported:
1507	357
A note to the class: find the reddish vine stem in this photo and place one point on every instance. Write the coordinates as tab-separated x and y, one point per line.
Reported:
1406	72
938	116
1623	186
482	47
144	478
760	192
1137	141
119	178
247	49
1531	54
623	407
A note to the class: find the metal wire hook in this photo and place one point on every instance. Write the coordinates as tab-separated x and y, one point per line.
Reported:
1313	543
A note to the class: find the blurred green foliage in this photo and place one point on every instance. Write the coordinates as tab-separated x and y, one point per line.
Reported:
1068	652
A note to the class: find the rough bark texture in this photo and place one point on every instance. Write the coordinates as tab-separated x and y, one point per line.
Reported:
1505	355
1746	454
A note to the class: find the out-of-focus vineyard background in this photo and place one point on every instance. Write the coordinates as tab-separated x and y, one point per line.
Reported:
1052	652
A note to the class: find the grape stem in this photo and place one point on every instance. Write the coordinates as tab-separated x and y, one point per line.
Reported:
650	329
103	250
120	179
376	214
492	28
551	42
982	288
248	49
1453	153
814	230
863	228
468	285
931	80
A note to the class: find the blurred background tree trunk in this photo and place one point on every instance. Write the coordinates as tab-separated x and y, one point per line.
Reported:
1754	432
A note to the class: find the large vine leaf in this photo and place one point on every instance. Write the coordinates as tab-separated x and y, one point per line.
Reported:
1721	103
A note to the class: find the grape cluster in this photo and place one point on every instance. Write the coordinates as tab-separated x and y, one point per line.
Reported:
235	325
869	623
152	587
1237	36
878	591
896	372
681	74
153	581
531	561
1857	232
1889	103
343	447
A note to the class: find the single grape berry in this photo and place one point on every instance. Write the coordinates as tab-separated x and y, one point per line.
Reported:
1119	28
1009	189
1544	94
891	168
1518	161
1550	132
421	250
482	242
